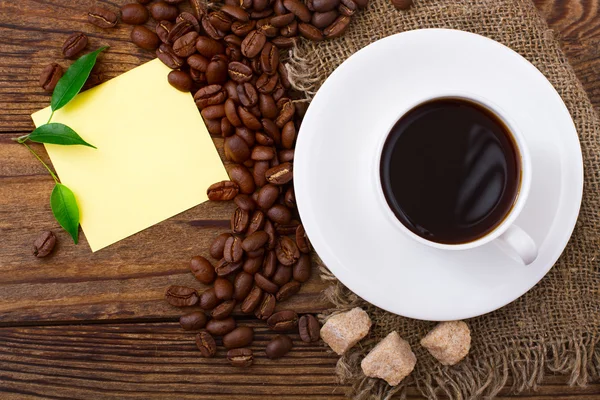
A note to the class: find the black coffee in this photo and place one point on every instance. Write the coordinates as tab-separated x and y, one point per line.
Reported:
450	171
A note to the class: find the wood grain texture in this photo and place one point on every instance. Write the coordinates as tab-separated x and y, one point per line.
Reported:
130	346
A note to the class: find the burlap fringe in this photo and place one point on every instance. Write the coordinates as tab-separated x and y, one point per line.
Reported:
577	356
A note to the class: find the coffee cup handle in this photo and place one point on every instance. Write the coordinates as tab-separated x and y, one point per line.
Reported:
516	240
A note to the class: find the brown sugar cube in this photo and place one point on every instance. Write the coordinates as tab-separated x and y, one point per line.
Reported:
342	331
391	360
449	342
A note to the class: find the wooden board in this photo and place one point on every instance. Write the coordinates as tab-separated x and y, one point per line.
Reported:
111	334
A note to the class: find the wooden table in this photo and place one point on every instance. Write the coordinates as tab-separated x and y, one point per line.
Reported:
83	325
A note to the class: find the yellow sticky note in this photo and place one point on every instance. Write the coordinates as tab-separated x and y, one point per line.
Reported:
155	157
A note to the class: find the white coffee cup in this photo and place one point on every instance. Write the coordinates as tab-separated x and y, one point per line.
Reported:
510	237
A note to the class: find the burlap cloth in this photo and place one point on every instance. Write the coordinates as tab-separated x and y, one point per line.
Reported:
554	328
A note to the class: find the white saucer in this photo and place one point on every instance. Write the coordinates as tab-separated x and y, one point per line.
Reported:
335	191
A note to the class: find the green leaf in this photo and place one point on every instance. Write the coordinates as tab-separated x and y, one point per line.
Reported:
73	80
65	210
57	133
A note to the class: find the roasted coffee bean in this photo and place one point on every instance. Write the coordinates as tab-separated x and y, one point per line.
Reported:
279	8
290	30
213	126
282	275
209	95
247	95
267	106
144	1
269	59
209	47
206	344
253	43
252	300
274	161
134	14
239	224
309	328
284	42
163	28
303	268
213	112
325	5
346	11
226	128
267	196
44	244
289	198
255	241
298	8
257	222
282	20
245	202
239	72
287	252
239	337
223	310
323	20
189	18
288	290
248	119
266	307
287	229
225	268
180	29
240	357
216	249
253	264
264	140
256	253
265	284
223	289
208	299
103	18
180	80
185	46
174	1
279	214
74	44
280	175
50	77
261	14
168	57
220	327
145	38
288	135
259	171
162	11
198	62
220	20
266	84
246	134
264	25
181	296
231	113
262	153
241	29
269	266
240	175
279	346
310	32
235	12
222	191
270	229
193	321
210	30
281	321
202	269
242	285
338	27
233	250
361	3
271	130
302	240
402	4
199	8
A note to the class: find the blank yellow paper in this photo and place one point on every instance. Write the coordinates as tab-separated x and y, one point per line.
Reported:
155	157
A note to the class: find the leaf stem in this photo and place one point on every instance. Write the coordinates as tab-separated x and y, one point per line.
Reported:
50	119
22	139
42	161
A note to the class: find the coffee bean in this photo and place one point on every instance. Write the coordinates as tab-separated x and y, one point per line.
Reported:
285	320
257	222
289	198
174	1
242	285
223	310
267	195
144	1
288	135
198	62
325	5
266	307
244	202
246	134
248	119
302	240
134	14
266	84
209	47
287	229
269	59
206	344
323	20
310	32
216	248
163	29
265	284
262	153
181	296
185	46
252	300
189	18
209	95
213	112
240	175
239	72
240	357
267	106
236	149
253	43
239	337
180	80
199	8
290	30
303	268
346	11
279	346
284	42
282	20
50	77
288	290
241	29
247	95
216	71
338	27
282	275
231	113
270	229
271	130
169	58
279	8
298	8
255	241
309	328
269	265
145	38
208	299
233	251
180	29
223	289
193	321
279	214
103	18
162	11
210	30
239	223
222	191
220	20
74	44
361	3
202	269
252	264
220	327
287	252
44	244
225	268
402	4
280	175
235	12
264	25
